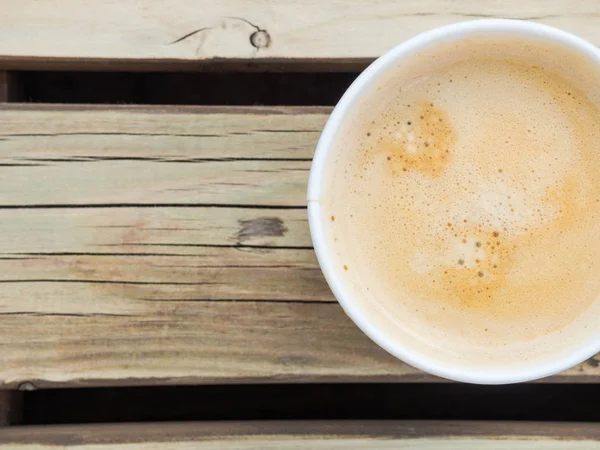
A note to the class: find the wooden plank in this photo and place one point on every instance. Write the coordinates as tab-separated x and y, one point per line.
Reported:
189	342
129	34
118	295
431	435
195	155
99	331
122	281
169	133
149	230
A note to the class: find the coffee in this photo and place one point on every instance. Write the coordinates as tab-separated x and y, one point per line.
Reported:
463	202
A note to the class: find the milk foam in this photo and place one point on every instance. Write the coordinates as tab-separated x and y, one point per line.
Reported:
467	202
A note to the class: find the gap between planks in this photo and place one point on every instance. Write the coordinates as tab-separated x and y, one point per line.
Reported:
11	407
10	87
4	86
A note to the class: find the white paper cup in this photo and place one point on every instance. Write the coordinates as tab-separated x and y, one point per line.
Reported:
456	32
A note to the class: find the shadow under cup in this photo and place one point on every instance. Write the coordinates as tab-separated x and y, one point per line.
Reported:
421	344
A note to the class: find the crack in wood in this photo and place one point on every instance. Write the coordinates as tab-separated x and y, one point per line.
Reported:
258	39
287	131
86	159
108	133
495	16
44	314
204	300
192	33
135	283
235	246
226	266
154	205
16	258
21	165
73	159
51	254
485	16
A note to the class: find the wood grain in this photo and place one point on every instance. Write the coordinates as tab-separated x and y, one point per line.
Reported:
431	435
94	156
124	280
126	33
98	292
152	343
181	230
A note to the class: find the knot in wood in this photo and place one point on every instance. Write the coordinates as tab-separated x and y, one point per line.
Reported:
260	39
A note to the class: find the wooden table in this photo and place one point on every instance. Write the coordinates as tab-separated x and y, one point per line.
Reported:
167	245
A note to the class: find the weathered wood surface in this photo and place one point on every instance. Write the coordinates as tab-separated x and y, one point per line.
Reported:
139	34
209	156
99	286
433	435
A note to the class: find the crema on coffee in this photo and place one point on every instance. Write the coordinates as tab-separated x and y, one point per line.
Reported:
463	201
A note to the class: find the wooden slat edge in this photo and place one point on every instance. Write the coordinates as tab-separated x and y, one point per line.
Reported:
124	33
167	109
279	65
303	433
410	375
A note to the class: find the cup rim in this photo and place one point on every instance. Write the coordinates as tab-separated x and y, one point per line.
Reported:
330	270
